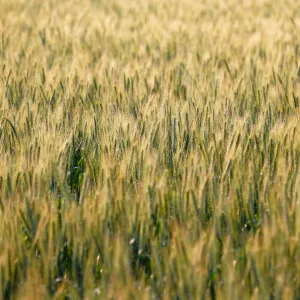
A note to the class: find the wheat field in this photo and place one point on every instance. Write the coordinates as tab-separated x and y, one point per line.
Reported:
149	149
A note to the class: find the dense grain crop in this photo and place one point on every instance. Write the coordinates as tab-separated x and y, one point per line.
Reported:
149	149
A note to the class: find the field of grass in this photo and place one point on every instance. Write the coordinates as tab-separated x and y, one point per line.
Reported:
149	149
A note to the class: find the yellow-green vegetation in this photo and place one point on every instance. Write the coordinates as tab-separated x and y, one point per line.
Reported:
150	149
